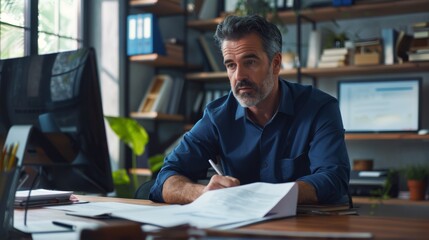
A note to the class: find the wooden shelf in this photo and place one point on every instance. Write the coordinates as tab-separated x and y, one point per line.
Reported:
207	76
205	25
386	136
360	10
408	67
158	7
392	201
157	60
140	171
156	116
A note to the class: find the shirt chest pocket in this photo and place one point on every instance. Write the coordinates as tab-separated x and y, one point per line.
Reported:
290	169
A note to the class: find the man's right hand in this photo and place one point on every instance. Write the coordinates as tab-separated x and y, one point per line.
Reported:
218	182
178	189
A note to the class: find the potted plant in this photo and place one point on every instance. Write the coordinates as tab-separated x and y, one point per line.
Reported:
416	176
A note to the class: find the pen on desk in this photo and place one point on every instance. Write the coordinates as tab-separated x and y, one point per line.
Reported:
63	224
215	167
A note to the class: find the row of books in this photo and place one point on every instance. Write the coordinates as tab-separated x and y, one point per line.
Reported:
392	47
144	37
163	95
419	50
203	98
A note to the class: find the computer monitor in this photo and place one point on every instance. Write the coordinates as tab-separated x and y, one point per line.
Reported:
59	94
383	105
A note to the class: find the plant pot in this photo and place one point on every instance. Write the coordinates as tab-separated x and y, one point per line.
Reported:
417	189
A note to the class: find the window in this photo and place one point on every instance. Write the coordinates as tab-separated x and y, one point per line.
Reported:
12	28
57	27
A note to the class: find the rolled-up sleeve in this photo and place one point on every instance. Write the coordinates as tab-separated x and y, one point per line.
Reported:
329	162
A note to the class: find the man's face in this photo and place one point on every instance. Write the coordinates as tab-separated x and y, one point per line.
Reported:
249	71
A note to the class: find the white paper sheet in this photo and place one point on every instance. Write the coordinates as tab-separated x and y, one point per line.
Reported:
224	207
99	209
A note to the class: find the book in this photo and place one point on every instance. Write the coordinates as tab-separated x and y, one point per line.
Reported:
421	34
414	57
174	51
148	102
335	51
420	25
314	47
162	98
331	58
419	43
208	10
331	64
389	36
144	36
211	53
177	89
403	44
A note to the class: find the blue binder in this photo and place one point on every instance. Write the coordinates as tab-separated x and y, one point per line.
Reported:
144	36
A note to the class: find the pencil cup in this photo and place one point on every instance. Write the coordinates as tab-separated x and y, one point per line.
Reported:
8	185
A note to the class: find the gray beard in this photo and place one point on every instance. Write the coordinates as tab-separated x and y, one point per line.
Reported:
249	99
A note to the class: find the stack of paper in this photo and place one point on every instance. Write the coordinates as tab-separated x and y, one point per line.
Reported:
224	208
42	197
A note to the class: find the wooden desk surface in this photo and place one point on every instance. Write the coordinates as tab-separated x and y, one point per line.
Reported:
380	227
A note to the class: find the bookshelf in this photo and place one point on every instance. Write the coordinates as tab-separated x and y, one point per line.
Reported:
155	122
160	9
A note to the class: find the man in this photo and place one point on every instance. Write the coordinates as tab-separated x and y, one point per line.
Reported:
265	130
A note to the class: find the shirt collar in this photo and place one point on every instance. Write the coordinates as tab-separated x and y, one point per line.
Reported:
286	101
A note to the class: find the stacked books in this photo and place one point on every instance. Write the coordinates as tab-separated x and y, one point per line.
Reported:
421	30
368	52
174	49
334	57
419	49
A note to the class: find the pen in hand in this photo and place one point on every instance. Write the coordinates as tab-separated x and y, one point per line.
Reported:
215	167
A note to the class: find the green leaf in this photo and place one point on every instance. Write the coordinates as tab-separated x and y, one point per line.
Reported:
130	132
121	177
155	162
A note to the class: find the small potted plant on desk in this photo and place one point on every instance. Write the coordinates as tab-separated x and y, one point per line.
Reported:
417	176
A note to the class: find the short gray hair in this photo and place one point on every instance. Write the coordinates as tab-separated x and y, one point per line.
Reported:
235	27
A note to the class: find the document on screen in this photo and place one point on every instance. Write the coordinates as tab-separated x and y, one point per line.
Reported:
224	208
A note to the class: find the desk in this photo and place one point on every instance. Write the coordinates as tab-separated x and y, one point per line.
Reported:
380	227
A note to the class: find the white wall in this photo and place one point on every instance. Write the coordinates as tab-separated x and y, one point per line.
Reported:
104	37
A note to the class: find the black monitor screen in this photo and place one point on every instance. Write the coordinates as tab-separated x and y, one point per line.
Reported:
59	95
384	105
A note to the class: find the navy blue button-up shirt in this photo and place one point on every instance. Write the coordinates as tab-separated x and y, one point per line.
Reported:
303	141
